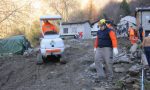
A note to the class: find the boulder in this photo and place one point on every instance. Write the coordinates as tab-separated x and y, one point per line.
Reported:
134	70
119	70
131	80
98	88
133	48
136	87
122	59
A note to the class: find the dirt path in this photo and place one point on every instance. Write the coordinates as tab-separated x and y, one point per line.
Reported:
21	73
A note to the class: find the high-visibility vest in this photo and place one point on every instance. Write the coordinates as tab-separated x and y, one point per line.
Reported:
48	27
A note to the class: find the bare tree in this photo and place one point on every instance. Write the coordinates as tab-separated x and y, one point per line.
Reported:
63	7
12	14
91	11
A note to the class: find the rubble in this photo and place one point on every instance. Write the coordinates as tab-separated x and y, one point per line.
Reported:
31	52
134	70
131	80
136	86
119	70
133	48
99	88
122	58
78	73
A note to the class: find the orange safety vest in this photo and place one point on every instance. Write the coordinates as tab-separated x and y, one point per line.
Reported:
131	32
132	36
48	27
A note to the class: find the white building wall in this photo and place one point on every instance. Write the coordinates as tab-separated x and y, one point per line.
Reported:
71	29
85	28
145	20
95	27
87	31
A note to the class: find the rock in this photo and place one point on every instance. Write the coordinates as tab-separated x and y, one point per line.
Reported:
98	88
119	70
36	49
92	66
134	70
116	88
67	46
144	60
133	48
131	80
87	45
136	87
28	52
25	54
83	89
122	59
147	74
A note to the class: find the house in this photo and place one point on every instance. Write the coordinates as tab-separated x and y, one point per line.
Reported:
143	18
73	29
94	28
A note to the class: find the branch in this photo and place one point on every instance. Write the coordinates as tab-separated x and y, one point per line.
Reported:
12	12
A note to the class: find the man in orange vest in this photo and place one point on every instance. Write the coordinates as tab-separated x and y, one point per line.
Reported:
47	26
132	35
141	33
105	46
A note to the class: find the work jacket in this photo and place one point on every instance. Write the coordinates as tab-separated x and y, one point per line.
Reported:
48	27
106	38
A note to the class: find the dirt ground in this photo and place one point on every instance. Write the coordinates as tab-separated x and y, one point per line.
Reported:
21	73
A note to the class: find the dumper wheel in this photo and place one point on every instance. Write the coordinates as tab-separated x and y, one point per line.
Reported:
62	60
39	60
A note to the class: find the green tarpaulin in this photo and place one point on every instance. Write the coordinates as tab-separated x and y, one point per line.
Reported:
15	45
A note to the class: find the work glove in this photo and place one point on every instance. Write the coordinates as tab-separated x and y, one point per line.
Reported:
94	50
115	51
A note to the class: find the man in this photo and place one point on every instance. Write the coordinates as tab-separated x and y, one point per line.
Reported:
132	35
105	46
141	33
80	35
109	24
146	45
47	26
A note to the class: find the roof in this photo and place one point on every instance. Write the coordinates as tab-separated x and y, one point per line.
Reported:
51	17
71	23
142	9
95	22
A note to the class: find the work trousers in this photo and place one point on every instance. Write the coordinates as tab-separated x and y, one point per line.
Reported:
104	56
147	53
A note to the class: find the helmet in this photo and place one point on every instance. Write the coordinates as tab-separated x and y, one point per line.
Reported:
102	21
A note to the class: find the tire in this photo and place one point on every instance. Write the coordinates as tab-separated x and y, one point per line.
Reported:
62	60
39	60
44	59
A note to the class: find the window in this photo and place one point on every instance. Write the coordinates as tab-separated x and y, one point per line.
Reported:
65	30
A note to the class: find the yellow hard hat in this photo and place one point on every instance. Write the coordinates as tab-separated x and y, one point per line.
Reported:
102	21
